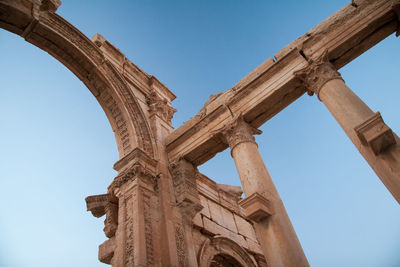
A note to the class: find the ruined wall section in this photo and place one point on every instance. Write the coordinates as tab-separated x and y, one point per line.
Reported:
222	216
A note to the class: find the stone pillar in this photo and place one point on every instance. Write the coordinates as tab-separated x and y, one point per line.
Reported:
262	203
366	129
188	202
132	213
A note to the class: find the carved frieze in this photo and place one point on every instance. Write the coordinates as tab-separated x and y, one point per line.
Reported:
317	73
180	245
238	131
134	171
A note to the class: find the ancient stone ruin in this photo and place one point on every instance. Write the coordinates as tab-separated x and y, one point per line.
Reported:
160	210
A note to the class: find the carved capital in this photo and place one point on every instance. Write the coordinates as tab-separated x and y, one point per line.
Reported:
160	107
133	172
238	131
317	73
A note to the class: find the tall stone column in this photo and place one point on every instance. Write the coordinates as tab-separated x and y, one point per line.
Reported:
262	203
366	129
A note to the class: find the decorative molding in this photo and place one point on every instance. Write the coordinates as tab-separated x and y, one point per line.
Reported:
375	134
130	222
140	123
256	207
148	229
317	73
133	172
104	204
136	155
160	107
238	131
96	204
181	245
219	245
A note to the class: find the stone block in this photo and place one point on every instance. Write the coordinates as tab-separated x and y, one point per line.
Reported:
245	228
215	229
228	220
197	220
215	212
206	210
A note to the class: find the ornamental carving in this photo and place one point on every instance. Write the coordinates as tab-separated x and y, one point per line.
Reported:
213	249
160	107
238	131
317	73
185	187
104	204
135	171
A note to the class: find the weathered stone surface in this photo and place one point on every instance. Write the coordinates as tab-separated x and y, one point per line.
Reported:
245	228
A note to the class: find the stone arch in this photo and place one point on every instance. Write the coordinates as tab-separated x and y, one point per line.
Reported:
219	249
37	22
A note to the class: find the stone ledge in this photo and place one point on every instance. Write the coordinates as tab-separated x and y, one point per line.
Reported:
256	207
375	134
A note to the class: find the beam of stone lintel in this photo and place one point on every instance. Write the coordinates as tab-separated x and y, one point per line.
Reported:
272	86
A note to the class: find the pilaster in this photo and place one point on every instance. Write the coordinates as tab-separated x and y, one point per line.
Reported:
188	201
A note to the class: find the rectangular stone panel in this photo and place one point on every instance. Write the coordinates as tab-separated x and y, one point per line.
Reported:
206	210
245	228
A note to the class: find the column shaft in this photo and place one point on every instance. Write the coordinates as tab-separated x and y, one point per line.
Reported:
276	234
262	203
350	111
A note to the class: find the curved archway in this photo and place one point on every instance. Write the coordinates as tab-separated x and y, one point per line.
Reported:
220	251
37	23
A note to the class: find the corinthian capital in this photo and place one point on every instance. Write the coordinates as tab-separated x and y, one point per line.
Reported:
238	131
317	73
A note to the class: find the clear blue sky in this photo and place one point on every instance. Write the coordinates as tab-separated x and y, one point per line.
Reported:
57	146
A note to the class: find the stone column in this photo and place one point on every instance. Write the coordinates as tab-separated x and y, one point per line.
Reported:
366	129
262	203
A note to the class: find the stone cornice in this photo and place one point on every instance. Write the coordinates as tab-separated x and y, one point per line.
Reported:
136	155
317	73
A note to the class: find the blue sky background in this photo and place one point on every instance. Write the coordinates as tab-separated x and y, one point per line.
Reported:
57	146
